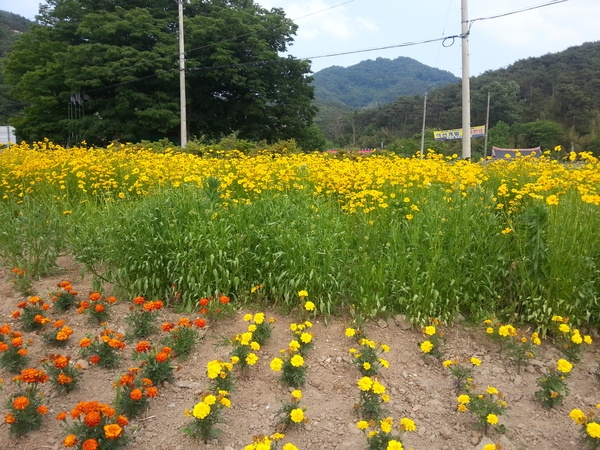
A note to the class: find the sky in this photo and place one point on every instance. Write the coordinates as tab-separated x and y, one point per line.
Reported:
329	27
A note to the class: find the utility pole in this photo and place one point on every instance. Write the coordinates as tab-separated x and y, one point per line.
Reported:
466	96
487	128
182	97
423	128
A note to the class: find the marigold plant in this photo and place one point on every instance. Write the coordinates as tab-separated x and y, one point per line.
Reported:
220	373
303	338
553	385
373	395
590	426
66	298
32	313
59	335
13	351
183	335
96	426
291	413
98	307
367	358
143	316
244	348
25	407
380	433
462	371
433	344
568	339
259	326
292	367
64	375
104	350
486	407
156	363
133	393
206	414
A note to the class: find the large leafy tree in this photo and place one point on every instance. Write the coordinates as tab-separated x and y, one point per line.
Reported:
101	70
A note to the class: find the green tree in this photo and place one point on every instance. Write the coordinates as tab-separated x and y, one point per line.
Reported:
500	136
108	69
544	133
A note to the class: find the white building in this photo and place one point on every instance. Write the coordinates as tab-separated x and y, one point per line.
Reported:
7	135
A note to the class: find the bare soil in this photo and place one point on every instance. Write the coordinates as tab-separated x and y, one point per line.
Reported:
421	390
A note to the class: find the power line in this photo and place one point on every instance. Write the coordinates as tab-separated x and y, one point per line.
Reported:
510	13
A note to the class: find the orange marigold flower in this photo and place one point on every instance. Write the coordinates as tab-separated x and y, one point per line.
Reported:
34	299
20	403
22	351
31	375
167	350
9	418
151	392
72	292
4	347
60	361
148	306
42	409
166	327
224	299
158	304
203	301
5	329
62	336
90	444
162	356
64	379
95	359
200	323
94	296
61	415
115	343
122	420
112	431
99	308
59	323
85	342
184	322
136	394
146	381
70	440
46	307
143	346
139	300
17	341
92	419
112	299
203	311
21	305
16	314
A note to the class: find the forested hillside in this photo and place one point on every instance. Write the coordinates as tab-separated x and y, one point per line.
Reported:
549	100
377	82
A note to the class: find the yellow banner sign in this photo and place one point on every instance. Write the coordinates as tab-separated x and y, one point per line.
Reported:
445	135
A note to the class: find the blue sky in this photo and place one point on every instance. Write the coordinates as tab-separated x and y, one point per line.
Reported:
328	27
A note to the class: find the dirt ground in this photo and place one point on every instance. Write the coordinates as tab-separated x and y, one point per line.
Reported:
418	389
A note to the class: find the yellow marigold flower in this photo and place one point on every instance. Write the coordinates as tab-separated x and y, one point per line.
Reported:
475	361
557	319
386	425
365	384
201	410
487	322
259	318
309	306
297	394
225	402
210	399
352	351
385	398
297	361
385	348
235	359
277	436
564	328
394	445
297	415
489	330
378	388
426	346
245	338
362	425
506	230
366	365
251	359
491	390
587	339
306	338
350	332
593	429
407	424
430	330
489	447
462	408
247	317
308	324
293	326
294	345
535	338
302	294
384	362
464	398
578	416
576	338
447	363
492	419
255	346
290	446
252	328
564	366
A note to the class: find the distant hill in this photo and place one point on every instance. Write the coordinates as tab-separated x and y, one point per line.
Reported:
11	26
377	82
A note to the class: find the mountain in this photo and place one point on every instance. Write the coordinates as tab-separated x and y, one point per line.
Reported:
11	26
377	82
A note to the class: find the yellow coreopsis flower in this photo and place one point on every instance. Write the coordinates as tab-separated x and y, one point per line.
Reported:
394	445
447	363
489	447
247	317
489	330
255	346
225	402
587	339
384	362
385	348
366	365
378	388
213	369
294	345
290	446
